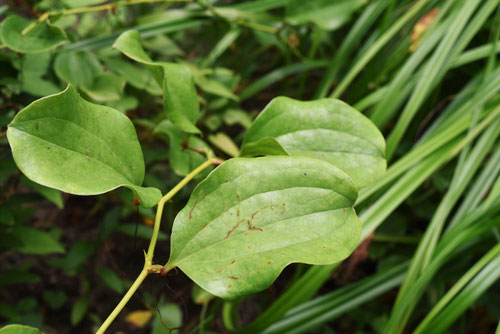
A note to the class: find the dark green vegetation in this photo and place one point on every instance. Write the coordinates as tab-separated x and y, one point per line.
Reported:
160	87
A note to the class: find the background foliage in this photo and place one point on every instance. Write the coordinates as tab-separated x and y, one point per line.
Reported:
425	72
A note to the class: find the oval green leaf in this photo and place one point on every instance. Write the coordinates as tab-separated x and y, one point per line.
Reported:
179	93
77	68
327	129
19	329
251	217
64	142
42	37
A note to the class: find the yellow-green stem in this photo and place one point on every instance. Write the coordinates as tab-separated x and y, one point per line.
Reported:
148	266
168	196
99	8
124	301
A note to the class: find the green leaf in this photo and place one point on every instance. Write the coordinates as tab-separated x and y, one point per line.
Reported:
326	129
182	160
81	3
67	143
6	216
112	280
200	296
224	143
326	14
179	94
77	68
42	37
17	276
264	146
34	68
55	299
169	318
106	87
53	195
252	217
78	311
35	241
19	329
139	77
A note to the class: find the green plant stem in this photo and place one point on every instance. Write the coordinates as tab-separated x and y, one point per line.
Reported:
124	301
241	22
168	196
148	266
109	6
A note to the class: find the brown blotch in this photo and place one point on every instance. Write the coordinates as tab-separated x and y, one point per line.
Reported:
344	210
36	126
252	228
232	277
249	247
239	202
283	209
234	228
227	265
268	262
192	209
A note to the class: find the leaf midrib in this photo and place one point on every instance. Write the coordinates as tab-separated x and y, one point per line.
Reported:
263	251
85	156
380	154
249	197
127	177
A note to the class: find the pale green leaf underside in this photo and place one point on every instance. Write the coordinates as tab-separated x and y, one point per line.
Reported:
64	142
179	93
326	129
42	37
251	217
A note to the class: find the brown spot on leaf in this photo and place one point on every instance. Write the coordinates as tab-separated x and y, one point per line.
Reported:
229	286
283	209
268	262
249	247
344	210
234	228
252	228
239	202
232	277
192	209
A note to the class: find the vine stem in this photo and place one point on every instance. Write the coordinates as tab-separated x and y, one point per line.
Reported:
109	6
144	273
149	267
167	197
